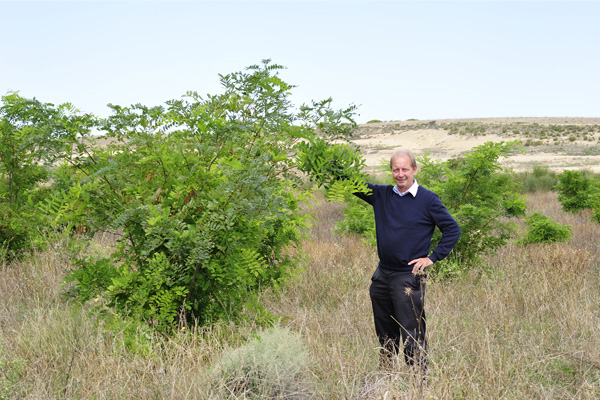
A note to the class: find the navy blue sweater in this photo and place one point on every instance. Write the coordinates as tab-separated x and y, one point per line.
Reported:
405	225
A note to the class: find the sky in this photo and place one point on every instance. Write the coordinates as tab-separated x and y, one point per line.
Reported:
395	60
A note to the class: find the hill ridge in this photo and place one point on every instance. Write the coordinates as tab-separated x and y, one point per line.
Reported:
559	143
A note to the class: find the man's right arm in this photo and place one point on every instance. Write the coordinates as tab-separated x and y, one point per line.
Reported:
366	197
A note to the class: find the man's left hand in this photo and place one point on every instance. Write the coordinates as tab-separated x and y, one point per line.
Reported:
419	265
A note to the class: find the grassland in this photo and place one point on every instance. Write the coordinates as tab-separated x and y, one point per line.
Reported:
528	331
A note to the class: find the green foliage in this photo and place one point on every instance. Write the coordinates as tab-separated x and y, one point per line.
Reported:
327	155
33	135
543	229
204	194
319	119
92	277
336	167
273	364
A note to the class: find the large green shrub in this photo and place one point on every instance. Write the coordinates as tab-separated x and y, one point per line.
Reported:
204	194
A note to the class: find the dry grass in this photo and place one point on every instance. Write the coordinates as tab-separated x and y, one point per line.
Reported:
528	331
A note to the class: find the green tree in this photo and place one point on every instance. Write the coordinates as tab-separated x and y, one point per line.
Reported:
205	194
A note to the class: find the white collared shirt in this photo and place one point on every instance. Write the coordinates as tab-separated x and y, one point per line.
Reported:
413	189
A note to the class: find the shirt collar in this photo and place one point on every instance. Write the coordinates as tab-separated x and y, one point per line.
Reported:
413	189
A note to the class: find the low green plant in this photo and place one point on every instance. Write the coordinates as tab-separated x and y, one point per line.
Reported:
272	364
19	225
543	229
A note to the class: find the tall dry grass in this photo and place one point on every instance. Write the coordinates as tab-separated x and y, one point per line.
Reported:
530	330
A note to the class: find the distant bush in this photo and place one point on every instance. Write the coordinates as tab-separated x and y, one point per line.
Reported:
480	196
274	364
543	229
574	190
531	142
579	190
373	121
539	179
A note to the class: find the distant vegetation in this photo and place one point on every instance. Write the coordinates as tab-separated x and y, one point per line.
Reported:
538	179
532	134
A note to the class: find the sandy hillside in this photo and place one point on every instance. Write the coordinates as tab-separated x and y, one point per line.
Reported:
560	143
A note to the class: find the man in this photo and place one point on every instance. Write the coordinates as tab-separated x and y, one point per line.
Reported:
406	215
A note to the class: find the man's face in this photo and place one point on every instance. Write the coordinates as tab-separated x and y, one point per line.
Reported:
403	172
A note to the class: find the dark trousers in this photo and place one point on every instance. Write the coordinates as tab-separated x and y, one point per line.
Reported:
398	300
